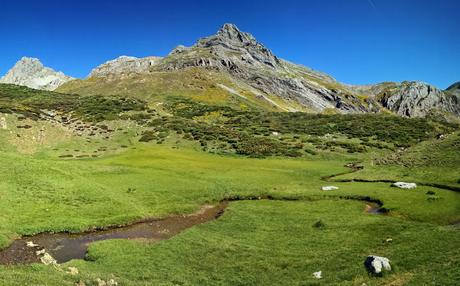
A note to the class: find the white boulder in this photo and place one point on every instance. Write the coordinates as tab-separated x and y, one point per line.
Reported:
404	185
317	274
329	188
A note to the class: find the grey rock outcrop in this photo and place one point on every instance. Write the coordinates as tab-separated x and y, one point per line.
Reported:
30	72
417	99
454	88
124	65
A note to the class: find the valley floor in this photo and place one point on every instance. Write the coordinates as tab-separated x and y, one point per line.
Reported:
266	242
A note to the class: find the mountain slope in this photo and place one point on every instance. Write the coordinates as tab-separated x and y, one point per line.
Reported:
246	60
30	72
232	67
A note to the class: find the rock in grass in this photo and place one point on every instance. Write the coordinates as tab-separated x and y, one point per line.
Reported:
72	270
377	264
112	282
100	282
47	259
317	274
329	188
404	185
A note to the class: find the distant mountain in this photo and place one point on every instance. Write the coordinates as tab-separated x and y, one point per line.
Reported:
30	72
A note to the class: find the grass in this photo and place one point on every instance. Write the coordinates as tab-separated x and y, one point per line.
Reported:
254	242
432	161
271	242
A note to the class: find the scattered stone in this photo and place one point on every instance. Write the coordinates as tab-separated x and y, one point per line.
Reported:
317	274
329	188
80	283
31	244
3	124
112	282
72	270
388	240
404	185
377	264
47	259
40	252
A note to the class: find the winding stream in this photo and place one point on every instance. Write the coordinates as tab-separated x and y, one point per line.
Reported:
64	246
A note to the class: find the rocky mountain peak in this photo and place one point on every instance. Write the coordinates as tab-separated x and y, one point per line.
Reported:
27	66
232	33
229	39
30	72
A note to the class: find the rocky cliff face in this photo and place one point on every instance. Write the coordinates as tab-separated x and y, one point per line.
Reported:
30	72
248	61
416	99
454	88
124	65
413	98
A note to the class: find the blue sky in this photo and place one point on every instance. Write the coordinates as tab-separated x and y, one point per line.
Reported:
355	41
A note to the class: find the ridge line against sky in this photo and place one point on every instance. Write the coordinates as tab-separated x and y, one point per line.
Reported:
355	41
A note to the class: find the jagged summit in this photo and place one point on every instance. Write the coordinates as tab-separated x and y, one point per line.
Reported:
229	37
30	72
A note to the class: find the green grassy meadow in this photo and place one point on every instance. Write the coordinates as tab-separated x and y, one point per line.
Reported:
255	242
200	154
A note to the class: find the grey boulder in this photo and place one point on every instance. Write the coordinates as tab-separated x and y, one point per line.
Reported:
377	264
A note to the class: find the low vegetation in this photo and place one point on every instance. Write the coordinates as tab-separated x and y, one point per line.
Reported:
122	159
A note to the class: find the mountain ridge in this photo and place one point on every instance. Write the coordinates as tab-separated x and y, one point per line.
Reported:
235	62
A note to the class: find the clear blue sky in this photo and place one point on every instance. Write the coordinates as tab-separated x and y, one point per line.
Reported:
355	41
